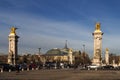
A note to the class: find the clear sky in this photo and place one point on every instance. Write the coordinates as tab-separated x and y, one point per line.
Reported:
46	24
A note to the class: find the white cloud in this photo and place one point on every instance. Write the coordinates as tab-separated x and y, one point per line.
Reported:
41	32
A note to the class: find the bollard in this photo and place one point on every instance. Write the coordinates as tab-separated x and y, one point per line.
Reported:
55	66
27	69
9	70
32	68
96	69
62	67
22	69
88	68
67	67
1	70
37	68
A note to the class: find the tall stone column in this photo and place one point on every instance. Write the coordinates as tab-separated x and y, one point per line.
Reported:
107	56
13	46
70	56
97	34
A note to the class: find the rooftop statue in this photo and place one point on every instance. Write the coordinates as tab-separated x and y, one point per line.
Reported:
13	30
107	49
70	50
97	26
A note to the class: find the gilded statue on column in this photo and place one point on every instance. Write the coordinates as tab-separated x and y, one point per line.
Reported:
97	26
13	30
107	49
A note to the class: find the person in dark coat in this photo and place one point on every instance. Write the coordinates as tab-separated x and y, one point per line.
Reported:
18	68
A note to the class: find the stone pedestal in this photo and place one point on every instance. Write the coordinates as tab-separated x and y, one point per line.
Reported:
96	61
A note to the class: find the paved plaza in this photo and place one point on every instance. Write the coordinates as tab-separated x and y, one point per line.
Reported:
58	74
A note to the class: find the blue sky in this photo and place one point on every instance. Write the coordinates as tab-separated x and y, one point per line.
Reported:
48	23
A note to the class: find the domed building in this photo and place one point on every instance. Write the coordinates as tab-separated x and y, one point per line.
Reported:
66	55
56	55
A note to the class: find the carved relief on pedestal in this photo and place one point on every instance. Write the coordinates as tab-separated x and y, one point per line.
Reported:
98	53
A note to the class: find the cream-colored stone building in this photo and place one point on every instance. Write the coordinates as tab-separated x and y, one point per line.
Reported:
61	55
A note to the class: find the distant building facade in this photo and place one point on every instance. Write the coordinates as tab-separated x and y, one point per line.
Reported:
66	55
60	55
3	58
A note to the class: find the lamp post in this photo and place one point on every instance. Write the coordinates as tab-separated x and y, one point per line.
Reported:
39	50
84	54
83	47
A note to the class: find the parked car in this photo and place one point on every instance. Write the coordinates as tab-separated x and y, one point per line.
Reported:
117	68
32	66
93	66
108	67
7	67
50	65
23	66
